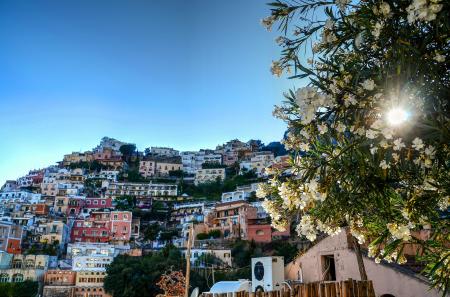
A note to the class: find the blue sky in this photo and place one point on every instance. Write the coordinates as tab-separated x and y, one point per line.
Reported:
188	74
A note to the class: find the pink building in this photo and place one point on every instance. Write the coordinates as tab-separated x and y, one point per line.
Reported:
103	226
98	202
74	206
121	225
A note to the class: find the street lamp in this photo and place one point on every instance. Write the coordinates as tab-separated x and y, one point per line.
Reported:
397	116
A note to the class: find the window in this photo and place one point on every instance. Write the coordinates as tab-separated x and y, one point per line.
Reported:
30	263
17	278
4	278
103	202
95	202
259	232
17	264
328	268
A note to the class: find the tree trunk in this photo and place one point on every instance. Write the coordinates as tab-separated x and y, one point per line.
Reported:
359	259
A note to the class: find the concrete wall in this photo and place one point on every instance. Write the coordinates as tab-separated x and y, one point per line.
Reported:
386	279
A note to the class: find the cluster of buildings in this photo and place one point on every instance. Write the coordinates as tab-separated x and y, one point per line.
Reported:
61	226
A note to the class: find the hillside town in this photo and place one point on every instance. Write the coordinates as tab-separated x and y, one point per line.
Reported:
61	226
64	225
286	148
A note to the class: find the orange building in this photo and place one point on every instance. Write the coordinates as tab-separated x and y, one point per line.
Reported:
11	236
60	277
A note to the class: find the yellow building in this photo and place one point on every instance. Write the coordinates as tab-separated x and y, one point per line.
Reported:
209	175
164	168
77	157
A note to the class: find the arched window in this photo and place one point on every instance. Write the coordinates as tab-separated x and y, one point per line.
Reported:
17	263
4	278
17	278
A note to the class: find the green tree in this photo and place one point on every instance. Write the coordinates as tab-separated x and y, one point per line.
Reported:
370	132
137	276
125	202
127	150
151	231
23	289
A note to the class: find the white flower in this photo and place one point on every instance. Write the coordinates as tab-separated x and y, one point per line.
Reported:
350	100
276	68
398	144
328	229
383	144
430	151
385	9
444	203
377	29
421	10
280	40
304	147
395	157
373	150
329	24
316	47
360	131
417	144
399	231
377	260
384	165
372	251
340	127
305	134
342	4
439	58
306	228
368	84
401	260
322	128
371	134
328	37
268	22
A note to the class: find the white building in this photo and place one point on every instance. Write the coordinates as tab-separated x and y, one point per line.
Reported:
164	151
19	196
199	259
10	185
235	196
188	212
192	161
108	142
141	189
258	162
110	175
93	256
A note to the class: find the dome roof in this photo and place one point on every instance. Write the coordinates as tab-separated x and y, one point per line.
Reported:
230	286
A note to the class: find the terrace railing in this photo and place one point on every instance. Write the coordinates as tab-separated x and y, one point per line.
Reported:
348	288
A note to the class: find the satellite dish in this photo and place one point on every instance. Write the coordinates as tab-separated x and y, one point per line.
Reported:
195	292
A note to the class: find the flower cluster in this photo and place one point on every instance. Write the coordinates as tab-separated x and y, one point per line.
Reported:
423	10
366	135
309	100
399	231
